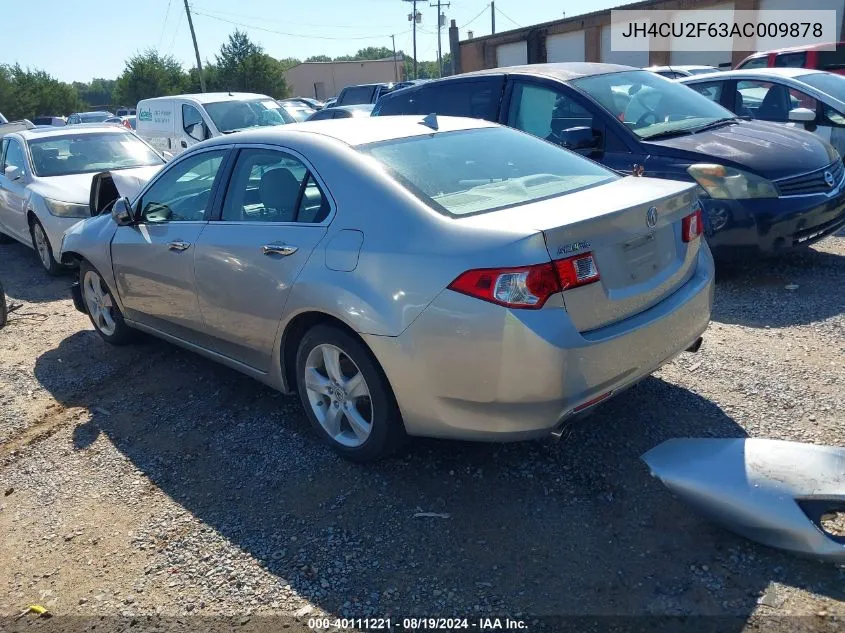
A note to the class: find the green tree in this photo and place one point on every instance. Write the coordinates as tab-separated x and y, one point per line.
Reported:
149	74
243	66
371	52
318	58
30	93
97	93
288	62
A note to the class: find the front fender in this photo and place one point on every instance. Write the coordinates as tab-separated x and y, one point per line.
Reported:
91	240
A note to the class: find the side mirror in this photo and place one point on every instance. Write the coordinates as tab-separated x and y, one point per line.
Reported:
802	115
578	138
12	172
121	212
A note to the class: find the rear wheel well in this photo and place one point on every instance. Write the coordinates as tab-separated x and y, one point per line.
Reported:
293	334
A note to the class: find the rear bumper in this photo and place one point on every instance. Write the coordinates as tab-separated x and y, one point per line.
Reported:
770	226
468	369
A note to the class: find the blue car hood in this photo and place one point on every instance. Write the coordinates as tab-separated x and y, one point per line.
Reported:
770	150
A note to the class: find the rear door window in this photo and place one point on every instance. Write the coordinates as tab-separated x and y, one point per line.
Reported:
791	60
477	99
831	60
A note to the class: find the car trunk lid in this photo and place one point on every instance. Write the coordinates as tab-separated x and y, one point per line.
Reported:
640	254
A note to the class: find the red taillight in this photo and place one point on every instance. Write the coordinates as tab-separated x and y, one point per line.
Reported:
578	270
692	225
590	403
527	286
523	287
127	124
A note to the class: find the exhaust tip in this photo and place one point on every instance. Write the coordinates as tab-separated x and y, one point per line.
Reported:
696	346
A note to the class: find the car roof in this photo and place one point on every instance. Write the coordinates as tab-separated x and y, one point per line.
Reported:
674	67
795	49
214	97
93	112
82	128
563	71
354	131
762	73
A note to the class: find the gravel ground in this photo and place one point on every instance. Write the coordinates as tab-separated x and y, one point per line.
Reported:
148	482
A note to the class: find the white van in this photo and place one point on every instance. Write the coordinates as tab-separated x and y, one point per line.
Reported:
172	124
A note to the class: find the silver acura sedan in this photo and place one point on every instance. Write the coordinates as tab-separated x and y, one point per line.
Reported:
438	277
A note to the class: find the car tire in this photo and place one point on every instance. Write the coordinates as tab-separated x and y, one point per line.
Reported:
43	248
101	307
346	395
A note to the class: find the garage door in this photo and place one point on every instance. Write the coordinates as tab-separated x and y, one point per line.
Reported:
779	5
629	58
566	47
513	54
703	58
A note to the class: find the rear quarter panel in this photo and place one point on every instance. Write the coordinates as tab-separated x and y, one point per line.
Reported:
409	253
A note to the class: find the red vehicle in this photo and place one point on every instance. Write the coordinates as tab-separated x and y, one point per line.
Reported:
799	57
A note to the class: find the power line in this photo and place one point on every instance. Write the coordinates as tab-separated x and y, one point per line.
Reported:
480	13
218	13
310	37
175	33
502	13
164	26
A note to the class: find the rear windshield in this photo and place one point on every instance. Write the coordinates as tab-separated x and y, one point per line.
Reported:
449	173
94	117
82	153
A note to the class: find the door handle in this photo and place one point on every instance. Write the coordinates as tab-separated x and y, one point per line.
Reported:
278	249
178	245
184	144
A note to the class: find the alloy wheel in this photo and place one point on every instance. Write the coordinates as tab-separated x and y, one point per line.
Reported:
99	303
339	395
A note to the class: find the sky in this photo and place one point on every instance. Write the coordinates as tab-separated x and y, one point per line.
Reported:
78	40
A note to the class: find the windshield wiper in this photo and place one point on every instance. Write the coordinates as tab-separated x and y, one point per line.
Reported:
667	133
716	123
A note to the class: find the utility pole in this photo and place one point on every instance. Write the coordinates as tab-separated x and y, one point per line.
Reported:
492	16
395	69
196	48
413	18
439	25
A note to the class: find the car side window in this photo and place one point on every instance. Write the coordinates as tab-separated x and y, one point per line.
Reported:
356	95
193	124
397	103
798	99
273	186
547	113
791	60
834	116
755	62
183	192
765	100
3	144
476	99
14	156
710	89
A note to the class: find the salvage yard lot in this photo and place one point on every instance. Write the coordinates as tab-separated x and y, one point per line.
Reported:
145	479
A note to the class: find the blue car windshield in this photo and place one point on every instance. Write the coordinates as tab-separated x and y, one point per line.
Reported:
648	104
449	173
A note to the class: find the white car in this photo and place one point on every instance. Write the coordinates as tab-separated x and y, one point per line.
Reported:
797	97
46	176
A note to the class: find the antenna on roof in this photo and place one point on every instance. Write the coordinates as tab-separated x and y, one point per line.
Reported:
431	121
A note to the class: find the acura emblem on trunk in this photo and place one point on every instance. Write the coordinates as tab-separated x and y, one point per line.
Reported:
651	216
828	178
